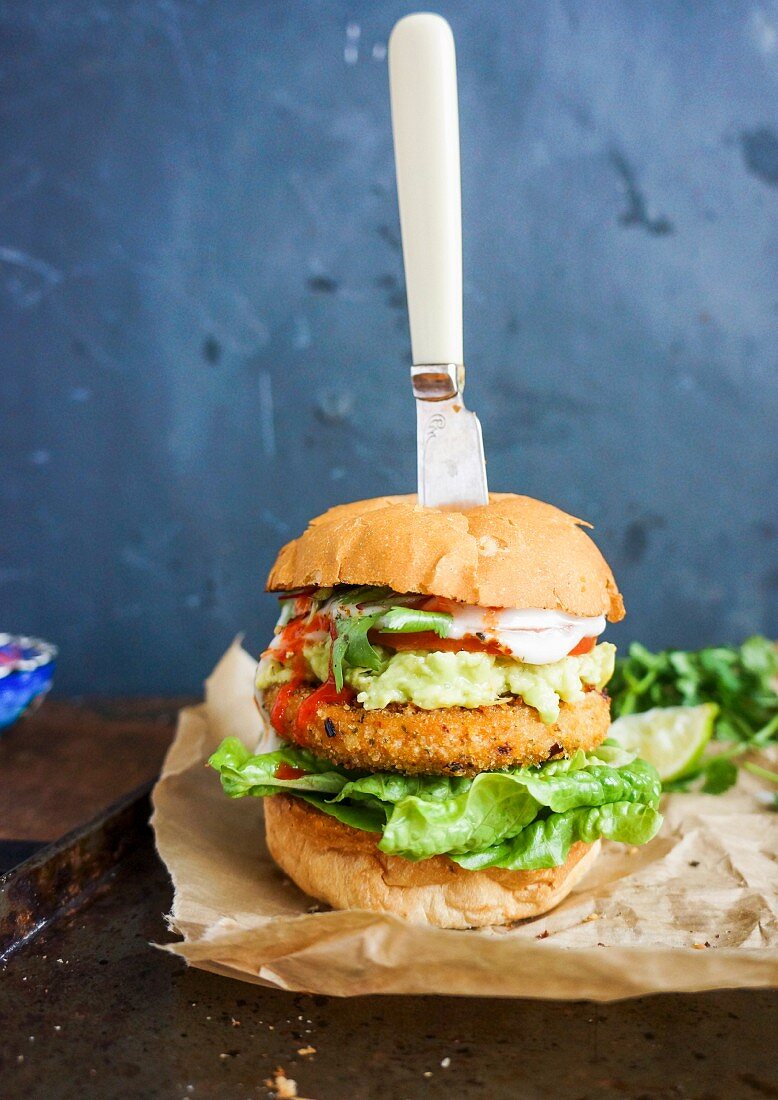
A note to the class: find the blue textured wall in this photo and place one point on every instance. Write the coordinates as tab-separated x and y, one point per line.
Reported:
204	338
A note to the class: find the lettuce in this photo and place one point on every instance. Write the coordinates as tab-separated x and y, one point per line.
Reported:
243	773
368	816
520	819
547	841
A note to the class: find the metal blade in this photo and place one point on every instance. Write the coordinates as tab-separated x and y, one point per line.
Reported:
450	451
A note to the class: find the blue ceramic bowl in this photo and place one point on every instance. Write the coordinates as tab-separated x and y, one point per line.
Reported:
26	671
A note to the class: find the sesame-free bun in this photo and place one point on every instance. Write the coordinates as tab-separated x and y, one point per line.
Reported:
343	867
512	552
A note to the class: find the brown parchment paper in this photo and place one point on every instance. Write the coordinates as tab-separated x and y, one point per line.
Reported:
695	909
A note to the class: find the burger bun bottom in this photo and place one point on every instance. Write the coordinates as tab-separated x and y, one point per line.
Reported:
343	867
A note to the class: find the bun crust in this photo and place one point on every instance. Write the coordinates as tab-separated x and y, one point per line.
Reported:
343	867
512	552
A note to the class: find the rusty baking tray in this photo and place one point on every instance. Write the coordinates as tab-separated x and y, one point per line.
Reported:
89	1009
58	879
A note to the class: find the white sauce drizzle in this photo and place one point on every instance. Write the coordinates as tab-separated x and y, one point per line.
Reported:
532	635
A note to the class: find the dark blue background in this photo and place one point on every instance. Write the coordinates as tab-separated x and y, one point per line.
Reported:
204	338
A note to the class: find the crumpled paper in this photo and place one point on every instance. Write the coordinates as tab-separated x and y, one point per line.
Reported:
695	909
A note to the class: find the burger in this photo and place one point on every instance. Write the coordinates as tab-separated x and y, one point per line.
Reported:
437	683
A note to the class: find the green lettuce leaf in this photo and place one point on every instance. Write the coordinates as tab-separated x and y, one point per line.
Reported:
547	841
519	818
405	620
495	805
594	785
492	808
369	816
245	774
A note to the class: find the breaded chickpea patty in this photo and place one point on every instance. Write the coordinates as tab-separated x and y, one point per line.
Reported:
449	741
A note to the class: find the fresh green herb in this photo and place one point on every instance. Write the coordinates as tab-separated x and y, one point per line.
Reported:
720	774
739	679
364	594
352	647
405	620
763	773
770	776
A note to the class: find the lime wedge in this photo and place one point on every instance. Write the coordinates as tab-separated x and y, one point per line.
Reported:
671	738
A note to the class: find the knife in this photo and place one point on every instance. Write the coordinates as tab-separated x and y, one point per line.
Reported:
425	123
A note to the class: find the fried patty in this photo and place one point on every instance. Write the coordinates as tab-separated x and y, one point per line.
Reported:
449	741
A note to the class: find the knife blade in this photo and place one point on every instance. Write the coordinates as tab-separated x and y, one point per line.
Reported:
451	468
425	121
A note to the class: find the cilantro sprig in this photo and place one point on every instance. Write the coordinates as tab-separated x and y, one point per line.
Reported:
741	680
360	610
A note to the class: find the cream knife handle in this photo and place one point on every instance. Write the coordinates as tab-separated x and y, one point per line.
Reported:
425	121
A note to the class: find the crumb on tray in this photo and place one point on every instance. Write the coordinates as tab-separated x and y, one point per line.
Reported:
284	1087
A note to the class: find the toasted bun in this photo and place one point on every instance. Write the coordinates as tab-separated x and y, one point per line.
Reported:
343	867
512	552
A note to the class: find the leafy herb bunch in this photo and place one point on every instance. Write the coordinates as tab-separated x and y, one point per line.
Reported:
740	680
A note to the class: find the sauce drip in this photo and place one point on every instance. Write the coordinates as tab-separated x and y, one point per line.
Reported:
427	639
327	693
289	644
308	709
283	699
286	771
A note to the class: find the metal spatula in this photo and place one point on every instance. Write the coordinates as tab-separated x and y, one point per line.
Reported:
425	121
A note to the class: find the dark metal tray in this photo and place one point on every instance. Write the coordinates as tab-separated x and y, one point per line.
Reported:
89	1009
60	878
